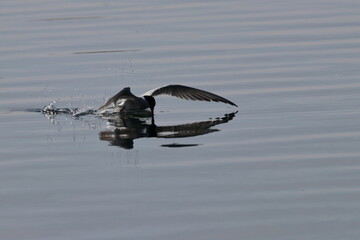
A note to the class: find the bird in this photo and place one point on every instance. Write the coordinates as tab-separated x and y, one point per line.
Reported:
128	102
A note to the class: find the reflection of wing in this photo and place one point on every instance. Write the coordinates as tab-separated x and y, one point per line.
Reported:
116	140
185	130
129	128
128	120
187	93
192	129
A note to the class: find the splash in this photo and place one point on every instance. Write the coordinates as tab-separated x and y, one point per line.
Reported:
51	110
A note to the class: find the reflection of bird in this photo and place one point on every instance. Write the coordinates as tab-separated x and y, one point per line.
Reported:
129	128
130	102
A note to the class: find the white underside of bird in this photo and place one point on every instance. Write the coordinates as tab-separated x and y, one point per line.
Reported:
125	101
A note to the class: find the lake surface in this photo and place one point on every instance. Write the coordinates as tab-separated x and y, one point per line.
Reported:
285	164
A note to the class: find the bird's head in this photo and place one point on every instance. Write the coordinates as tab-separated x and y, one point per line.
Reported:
151	101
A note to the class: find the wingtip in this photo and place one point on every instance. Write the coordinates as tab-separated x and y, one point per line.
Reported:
230	102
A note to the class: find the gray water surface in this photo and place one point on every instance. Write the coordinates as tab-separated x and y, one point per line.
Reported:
284	165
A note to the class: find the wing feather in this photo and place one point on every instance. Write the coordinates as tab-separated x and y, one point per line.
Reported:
123	94
187	93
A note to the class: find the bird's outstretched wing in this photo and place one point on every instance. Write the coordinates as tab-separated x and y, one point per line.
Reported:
187	93
124	93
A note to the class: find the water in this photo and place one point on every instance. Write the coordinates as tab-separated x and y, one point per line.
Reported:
283	165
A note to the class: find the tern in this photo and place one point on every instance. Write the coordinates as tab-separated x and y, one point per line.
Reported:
129	102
